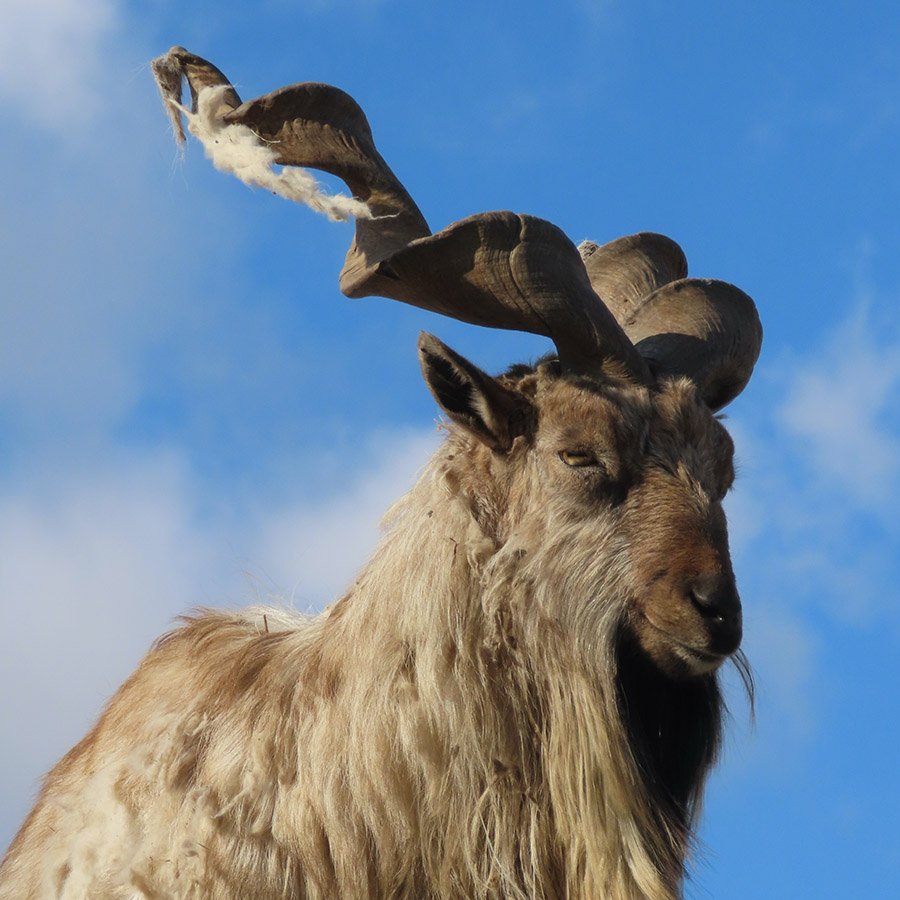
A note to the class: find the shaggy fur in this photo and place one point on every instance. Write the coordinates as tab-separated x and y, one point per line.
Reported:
484	714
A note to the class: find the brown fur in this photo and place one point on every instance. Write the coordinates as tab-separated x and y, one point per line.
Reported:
501	706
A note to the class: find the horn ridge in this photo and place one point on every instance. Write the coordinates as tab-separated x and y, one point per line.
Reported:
514	271
703	329
624	271
323	127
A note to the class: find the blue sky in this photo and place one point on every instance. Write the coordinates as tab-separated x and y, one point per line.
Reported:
191	413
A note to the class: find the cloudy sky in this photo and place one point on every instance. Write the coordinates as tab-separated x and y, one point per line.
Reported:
190	413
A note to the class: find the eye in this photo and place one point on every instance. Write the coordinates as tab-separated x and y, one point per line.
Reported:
579	459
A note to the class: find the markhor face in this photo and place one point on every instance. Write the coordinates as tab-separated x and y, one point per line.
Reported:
650	470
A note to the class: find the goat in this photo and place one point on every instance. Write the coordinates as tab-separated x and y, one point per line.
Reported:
518	696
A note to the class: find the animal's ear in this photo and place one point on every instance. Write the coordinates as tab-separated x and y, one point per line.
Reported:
470	397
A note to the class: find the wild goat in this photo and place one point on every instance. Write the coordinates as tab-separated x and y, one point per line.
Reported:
518	697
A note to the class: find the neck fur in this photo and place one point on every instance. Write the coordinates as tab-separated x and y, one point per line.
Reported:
513	768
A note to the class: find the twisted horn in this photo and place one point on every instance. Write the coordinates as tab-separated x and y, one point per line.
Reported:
708	331
626	270
497	269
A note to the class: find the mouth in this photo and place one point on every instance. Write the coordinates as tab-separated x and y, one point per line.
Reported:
698	659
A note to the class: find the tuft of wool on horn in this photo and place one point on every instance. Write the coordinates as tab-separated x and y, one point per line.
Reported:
238	150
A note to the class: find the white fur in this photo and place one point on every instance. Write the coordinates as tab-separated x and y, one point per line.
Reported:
237	149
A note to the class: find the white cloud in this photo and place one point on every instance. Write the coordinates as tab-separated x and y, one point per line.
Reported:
314	551
91	572
838	486
784	652
813	517
51	58
843	408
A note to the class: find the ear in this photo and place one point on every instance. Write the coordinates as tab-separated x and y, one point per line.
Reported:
470	397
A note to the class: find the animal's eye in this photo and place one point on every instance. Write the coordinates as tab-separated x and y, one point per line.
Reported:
579	458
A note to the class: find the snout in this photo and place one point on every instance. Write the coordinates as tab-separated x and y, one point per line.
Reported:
715	597
691	626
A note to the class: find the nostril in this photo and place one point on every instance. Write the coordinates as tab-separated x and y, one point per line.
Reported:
715	596
702	592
